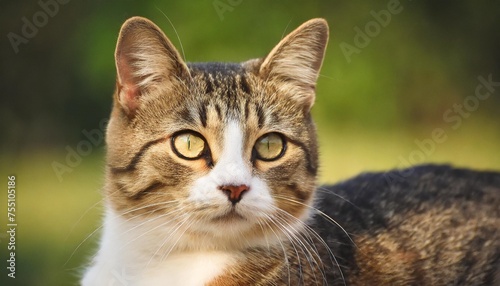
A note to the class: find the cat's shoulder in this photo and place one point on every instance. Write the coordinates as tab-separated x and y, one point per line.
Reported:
416	189
440	180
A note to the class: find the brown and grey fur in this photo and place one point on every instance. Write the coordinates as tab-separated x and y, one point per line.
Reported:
430	225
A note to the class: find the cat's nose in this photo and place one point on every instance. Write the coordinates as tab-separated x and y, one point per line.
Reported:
234	193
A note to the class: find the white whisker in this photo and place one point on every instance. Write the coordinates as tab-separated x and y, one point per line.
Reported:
287	262
151	229
173	232
175	31
311	257
315	234
321	213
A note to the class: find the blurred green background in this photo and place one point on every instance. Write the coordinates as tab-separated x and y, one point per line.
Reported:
387	87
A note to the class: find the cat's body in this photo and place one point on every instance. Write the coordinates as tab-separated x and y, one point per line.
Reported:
211	180
428	225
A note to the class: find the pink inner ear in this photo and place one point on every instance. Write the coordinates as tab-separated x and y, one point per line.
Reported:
129	95
129	91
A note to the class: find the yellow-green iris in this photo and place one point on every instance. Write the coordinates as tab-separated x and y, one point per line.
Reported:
189	145
270	147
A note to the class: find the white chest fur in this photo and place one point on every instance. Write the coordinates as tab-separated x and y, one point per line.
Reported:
187	269
126	261
190	269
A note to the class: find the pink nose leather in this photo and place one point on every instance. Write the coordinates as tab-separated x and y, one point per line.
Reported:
234	193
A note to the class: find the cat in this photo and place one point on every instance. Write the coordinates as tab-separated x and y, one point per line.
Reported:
211	176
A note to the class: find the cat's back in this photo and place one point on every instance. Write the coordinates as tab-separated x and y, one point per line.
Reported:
427	225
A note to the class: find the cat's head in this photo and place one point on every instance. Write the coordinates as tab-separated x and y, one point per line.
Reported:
224	155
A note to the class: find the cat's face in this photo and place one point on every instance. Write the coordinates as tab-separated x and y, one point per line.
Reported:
219	155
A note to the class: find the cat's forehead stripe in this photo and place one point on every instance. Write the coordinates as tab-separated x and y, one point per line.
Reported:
223	79
202	111
218	110
247	110
260	115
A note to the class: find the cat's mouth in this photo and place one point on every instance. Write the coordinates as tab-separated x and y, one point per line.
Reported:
230	216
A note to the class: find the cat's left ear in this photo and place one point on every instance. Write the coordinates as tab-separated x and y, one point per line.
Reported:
294	64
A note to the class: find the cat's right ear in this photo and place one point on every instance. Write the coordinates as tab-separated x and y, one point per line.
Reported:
145	60
294	64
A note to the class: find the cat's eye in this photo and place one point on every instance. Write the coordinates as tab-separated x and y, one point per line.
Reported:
270	147
188	145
